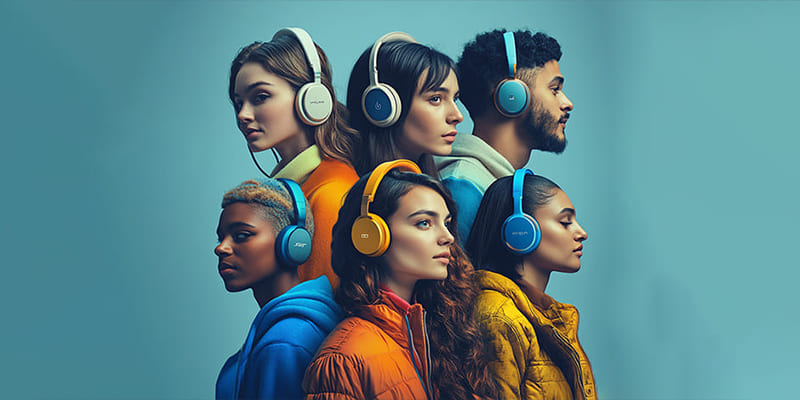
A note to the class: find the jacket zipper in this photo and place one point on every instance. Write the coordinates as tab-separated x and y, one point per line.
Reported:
576	360
415	355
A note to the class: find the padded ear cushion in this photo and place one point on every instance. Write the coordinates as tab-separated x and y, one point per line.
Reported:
521	233
370	235
293	246
313	103
381	105
511	97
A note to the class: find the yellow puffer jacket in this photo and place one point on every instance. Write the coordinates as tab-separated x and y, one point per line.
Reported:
534	346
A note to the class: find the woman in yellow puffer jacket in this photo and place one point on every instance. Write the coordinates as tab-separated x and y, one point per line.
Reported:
525	229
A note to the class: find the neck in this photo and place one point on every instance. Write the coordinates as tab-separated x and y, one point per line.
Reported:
533	275
501	134
290	148
402	290
274	286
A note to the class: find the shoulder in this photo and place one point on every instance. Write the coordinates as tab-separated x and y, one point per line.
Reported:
329	182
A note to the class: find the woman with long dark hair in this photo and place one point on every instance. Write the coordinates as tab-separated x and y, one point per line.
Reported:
402	100
525	229
407	296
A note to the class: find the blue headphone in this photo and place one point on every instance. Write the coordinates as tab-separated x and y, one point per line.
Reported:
511	96
379	101
520	232
293	244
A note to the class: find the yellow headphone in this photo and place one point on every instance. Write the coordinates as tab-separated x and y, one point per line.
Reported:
370	233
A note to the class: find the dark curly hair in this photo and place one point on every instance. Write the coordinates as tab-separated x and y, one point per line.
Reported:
458	357
483	64
400	65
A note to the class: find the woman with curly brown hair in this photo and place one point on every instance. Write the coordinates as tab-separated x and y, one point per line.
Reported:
407	295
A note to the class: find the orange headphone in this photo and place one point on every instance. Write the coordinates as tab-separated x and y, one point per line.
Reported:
370	233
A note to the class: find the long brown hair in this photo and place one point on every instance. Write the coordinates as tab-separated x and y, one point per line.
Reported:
458	359
283	56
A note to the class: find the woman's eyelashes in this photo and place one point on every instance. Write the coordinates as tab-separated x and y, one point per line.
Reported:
260	97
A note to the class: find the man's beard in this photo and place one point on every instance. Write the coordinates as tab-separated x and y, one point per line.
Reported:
541	129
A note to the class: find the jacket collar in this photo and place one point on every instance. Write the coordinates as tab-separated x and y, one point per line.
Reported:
300	167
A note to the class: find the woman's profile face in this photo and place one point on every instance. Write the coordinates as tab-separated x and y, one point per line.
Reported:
264	105
560	248
246	248
430	126
420	238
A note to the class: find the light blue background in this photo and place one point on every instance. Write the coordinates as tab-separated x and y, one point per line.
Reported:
119	140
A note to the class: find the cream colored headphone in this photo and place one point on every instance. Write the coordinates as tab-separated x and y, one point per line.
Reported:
313	102
379	101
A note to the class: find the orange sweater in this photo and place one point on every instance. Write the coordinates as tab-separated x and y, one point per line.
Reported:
325	190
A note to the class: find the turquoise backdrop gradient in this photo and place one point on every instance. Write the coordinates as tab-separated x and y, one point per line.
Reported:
119	141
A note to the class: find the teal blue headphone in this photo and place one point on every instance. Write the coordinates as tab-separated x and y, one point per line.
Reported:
293	244
520	232
511	96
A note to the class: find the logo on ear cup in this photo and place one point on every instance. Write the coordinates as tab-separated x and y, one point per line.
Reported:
295	245
511	98
521	234
313	104
381	105
370	235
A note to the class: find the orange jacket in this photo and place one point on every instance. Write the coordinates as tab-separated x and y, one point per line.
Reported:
325	190
534	341
380	354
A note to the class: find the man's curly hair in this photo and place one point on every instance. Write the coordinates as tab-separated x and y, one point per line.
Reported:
483	64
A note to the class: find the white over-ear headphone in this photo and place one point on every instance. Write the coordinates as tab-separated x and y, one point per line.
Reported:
380	102
313	102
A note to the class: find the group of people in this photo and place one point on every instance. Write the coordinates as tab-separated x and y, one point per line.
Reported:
391	257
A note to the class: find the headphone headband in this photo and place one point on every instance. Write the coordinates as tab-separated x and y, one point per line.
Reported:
298	201
376	177
511	53
373	54
308	48
517	188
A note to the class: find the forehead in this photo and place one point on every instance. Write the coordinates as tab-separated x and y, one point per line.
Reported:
558	202
421	198
450	82
240	212
253	73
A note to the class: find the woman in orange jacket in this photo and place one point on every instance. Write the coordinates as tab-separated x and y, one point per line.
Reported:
406	294
283	97
525	229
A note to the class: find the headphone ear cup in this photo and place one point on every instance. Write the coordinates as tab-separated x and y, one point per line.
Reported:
370	235
521	234
313	103
511	97
293	246
381	105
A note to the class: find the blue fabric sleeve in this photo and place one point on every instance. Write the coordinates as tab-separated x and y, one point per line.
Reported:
468	198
